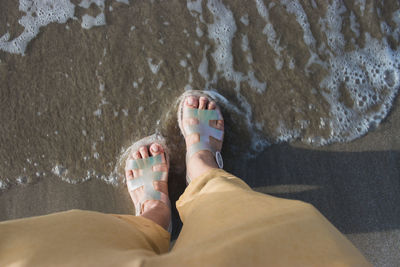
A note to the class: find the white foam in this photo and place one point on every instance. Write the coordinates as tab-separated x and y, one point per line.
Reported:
88	21
294	7
194	7
183	63
59	170
270	32
154	67
222	31
354	26
245	48
331	25
361	5
4	184
38	13
365	73
203	66
245	20
199	32
123	1
254	83
86	3
396	30
22	180
97	112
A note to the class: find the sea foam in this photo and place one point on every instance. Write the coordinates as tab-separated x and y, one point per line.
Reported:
38	13
368	75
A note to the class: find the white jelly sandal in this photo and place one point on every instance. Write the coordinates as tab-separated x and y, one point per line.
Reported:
203	128
148	176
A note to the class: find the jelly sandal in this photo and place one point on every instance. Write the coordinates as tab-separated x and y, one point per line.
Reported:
203	128
147	175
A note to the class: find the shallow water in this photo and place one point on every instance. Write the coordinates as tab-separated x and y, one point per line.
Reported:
81	80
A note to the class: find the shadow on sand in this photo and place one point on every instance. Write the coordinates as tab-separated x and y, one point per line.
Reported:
358	192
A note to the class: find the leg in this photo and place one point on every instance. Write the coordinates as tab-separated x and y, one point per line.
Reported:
80	238
225	223
229	224
86	238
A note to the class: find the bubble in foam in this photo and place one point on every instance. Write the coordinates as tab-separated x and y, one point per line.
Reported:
371	84
390	77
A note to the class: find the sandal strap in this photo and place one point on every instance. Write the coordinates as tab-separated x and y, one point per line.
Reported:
202	128
146	179
205	131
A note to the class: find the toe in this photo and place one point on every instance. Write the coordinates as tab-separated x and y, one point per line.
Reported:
220	124
212	105
144	152
203	102
156	149
130	174
161	186
136	155
192	101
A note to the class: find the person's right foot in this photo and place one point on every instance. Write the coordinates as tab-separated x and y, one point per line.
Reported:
203	160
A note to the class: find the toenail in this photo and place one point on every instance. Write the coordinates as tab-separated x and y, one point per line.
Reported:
190	101
154	148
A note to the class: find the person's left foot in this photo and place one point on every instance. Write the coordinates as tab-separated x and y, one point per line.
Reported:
155	210
203	160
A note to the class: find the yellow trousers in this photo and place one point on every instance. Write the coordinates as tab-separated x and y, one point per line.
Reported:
225	223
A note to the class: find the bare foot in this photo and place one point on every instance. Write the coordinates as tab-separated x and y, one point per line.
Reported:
202	161
156	210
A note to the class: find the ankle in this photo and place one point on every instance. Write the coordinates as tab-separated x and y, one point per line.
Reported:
200	163
157	212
